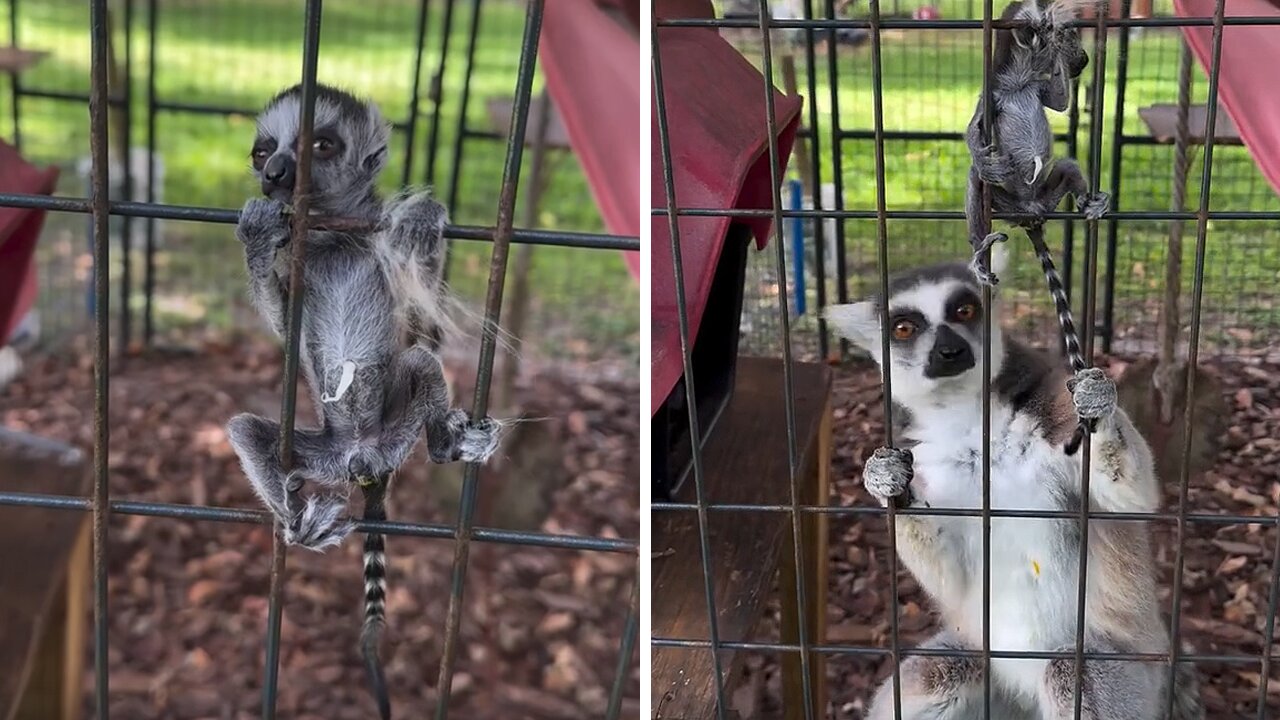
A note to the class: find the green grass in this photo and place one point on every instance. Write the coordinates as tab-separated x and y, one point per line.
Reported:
238	53
931	81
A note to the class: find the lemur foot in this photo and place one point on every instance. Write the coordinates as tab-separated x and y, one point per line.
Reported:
887	476
1095	205
264	229
479	440
318	523
979	266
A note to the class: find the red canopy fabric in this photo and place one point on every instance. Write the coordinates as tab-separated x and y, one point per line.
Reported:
592	66
1246	87
19	230
716	114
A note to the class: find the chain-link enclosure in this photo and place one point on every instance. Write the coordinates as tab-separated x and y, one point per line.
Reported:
159	230
879	167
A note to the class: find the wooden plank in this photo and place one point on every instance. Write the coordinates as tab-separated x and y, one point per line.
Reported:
745	461
1162	124
16	60
30	605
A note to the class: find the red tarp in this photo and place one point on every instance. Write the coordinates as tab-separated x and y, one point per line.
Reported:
592	66
715	105
1246	87
19	230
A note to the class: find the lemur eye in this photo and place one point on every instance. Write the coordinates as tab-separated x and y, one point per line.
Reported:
324	146
966	312
259	156
904	329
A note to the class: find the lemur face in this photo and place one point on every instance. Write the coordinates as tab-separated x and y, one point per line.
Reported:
349	148
935	330
1048	47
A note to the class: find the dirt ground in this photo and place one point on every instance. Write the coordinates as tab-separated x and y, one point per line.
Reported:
1227	572
188	600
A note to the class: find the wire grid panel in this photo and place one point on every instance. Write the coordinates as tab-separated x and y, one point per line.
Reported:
435	68
100	209
833	215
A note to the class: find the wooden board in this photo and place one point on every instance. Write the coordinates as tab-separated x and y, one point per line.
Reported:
1162	124
35	547
16	60
745	461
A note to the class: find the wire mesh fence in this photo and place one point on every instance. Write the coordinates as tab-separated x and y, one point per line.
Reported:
886	99
191	76
185	138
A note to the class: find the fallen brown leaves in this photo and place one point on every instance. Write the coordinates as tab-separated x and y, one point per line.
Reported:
188	607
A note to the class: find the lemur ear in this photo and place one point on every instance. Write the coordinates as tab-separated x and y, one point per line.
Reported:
859	323
376	160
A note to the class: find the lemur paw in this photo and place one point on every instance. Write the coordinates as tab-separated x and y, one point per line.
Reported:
418	217
1094	394
887	475
263	228
979	266
479	440
318	524
1095	205
993	167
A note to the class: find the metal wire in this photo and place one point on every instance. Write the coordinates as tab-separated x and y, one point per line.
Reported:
988	129
686	355
502	234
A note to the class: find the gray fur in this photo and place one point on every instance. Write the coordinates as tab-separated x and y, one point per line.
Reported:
1035	568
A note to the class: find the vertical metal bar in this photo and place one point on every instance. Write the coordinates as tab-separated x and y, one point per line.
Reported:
1090	305
1193	355
988	130
837	172
1069	226
788	370
629	631
297	291
126	223
882	244
1272	601
412	129
98	109
686	354
503	227
15	84
1117	155
455	169
149	270
437	92
815	183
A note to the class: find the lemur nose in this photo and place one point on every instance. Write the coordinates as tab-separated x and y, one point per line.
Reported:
950	353
279	171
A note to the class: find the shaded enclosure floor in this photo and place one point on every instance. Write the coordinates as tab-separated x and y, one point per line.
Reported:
188	601
1226	577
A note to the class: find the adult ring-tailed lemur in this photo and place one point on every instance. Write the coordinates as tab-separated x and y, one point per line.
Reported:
372	320
1033	66
935	327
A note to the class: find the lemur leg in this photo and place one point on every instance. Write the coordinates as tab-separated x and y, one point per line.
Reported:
414	240
1109	689
1122	470
979	238
940	688
1066	177
922	544
264	229
416	393
312	522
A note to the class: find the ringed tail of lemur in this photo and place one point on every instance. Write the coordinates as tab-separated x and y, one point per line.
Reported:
935	329
1033	67
373	317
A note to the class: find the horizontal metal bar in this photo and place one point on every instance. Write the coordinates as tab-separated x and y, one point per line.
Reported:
231	217
262	517
920	135
909	24
829	649
959	215
65	95
1217	519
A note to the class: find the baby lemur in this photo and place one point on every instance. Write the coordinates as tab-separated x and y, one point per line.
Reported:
1033	67
371	326
935	326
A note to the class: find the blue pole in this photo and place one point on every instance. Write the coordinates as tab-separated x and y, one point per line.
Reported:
796	231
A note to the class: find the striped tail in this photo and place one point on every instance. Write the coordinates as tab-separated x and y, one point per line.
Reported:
1070	338
375	594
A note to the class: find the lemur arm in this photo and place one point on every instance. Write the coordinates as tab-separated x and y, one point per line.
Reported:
1121	470
264	229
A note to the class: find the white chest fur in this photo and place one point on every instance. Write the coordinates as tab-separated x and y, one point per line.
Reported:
1033	561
